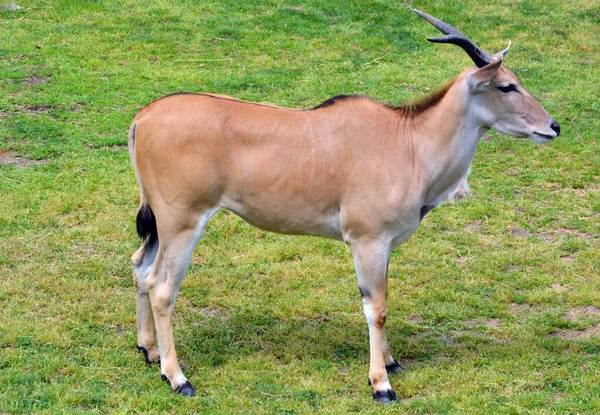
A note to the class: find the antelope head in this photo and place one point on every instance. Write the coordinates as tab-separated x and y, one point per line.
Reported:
499	99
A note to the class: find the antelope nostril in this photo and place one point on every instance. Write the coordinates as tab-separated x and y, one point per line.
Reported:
556	128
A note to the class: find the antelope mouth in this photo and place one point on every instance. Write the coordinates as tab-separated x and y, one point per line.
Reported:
542	138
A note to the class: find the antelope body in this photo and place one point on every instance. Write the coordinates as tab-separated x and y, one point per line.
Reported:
351	169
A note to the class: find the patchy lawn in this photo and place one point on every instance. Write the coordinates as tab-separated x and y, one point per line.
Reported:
494	302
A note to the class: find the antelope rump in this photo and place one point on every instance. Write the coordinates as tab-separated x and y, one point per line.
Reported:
351	169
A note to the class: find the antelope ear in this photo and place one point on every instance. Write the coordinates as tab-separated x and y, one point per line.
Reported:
480	80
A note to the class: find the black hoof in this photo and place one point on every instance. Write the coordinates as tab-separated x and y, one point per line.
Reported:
186	389
385	397
143	350
394	368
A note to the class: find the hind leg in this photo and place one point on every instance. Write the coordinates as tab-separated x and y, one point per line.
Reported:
170	267
142	262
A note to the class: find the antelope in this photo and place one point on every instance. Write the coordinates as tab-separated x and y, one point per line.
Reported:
351	169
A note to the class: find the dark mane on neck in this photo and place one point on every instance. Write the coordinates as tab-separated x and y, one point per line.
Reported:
407	110
334	100
419	107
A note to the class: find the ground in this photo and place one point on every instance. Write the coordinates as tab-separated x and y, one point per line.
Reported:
494	302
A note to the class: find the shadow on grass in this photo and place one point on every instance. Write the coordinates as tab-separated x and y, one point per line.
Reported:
215	340
222	336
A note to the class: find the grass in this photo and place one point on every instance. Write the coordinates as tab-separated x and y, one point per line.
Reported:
494	302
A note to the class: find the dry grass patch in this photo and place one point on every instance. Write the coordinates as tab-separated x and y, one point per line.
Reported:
8	157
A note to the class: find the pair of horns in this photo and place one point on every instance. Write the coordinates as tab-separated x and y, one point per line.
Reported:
453	36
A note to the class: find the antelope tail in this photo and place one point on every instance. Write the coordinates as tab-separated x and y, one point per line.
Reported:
145	220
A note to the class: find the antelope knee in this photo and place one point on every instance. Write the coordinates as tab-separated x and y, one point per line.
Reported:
376	316
161	298
380	318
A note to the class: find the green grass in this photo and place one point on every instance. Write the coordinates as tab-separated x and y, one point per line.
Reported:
494	302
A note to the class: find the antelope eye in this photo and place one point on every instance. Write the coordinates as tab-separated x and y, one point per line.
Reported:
508	88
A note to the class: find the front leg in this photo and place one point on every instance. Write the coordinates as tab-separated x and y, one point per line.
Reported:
371	256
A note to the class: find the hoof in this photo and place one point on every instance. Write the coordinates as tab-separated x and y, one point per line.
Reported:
146	355
186	389
385	397
394	368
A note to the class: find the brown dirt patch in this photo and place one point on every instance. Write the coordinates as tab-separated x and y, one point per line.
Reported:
553	236
588	190
547	236
462	336
495	322
77	107
36	109
218	313
570	258
450	340
474	226
115	147
579	313
120	330
508	268
521	233
462	261
34	80
518	309
559	288
454	337
9	157
526	310
575	232
577	334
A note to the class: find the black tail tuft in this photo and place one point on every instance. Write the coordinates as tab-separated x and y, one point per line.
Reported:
146	223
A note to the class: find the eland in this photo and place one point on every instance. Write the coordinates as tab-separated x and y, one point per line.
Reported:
351	169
